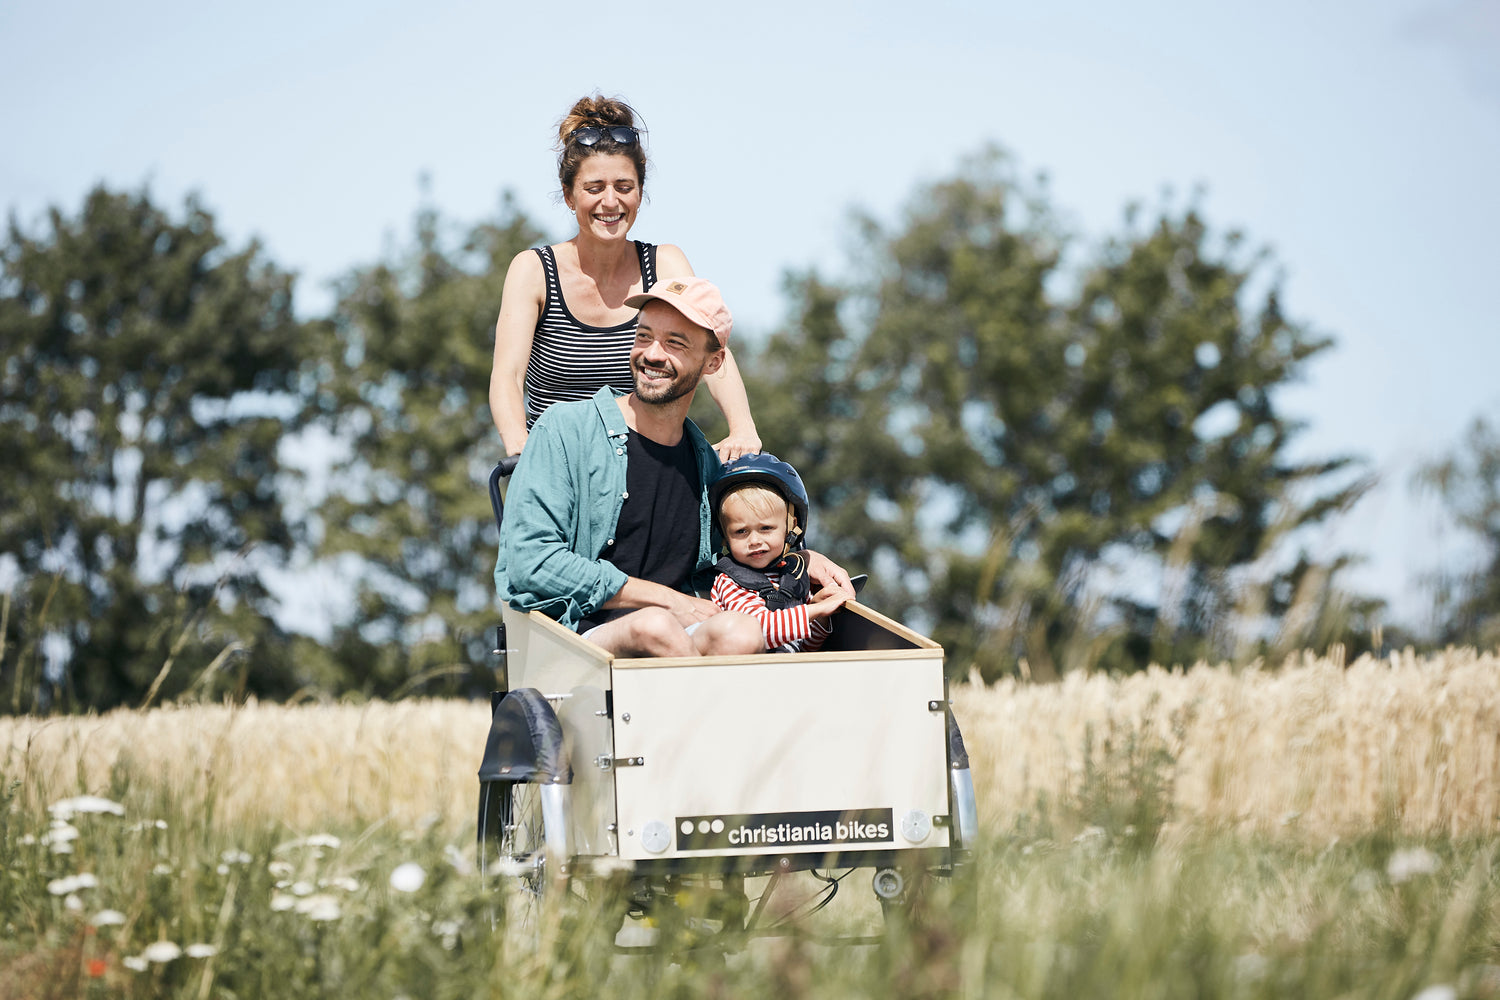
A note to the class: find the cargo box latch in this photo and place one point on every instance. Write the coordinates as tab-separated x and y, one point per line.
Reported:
606	763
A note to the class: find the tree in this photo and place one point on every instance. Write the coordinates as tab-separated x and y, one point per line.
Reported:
408	396
151	373
1467	602
999	436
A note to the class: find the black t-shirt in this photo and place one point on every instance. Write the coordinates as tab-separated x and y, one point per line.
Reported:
656	537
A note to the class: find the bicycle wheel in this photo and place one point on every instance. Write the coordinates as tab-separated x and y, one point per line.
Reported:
513	850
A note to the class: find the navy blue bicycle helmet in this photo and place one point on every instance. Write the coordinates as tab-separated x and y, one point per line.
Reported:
766	470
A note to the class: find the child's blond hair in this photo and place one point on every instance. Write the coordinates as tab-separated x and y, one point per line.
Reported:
762	501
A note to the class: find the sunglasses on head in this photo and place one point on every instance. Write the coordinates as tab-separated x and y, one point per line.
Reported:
590	135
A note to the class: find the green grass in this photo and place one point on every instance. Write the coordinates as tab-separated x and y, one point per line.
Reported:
1100	912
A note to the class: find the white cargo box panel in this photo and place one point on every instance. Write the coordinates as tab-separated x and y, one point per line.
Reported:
838	751
781	754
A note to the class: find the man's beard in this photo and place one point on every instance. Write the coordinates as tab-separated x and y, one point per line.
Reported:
660	393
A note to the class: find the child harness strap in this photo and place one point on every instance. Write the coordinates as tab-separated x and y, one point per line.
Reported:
790	572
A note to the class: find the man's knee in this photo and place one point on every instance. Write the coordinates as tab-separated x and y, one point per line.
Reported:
647	632
729	634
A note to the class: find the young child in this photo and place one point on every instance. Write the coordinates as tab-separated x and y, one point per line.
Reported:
762	507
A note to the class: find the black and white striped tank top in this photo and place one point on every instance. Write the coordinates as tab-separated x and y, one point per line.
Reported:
571	360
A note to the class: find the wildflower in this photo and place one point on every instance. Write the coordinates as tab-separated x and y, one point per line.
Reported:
26	840
97	967
456	858
65	847
1441	991
60	832
1410	862
162	869
281	869
340	882
408	877
135	963
320	907
68	808
281	902
71	884
447	930
233	856
148	824
201	950
108	918
316	840
161	952
302	889
73	904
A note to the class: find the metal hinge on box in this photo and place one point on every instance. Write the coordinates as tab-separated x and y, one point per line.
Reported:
606	763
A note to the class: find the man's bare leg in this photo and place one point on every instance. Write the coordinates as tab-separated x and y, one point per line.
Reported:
657	632
647	632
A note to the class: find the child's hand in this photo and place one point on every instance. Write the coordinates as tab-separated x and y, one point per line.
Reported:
825	602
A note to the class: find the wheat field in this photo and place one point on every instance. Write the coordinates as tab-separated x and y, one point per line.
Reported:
1315	748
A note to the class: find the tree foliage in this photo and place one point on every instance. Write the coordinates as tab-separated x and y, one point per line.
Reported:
1467	601
1044	464
1011	445
408	514
150	374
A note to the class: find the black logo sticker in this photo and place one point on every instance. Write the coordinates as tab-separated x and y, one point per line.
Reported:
789	829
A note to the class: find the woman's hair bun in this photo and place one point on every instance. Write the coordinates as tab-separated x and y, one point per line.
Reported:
595	110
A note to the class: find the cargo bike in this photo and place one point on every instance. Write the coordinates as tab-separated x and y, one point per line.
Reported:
672	781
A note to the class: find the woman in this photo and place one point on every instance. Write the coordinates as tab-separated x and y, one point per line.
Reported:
564	329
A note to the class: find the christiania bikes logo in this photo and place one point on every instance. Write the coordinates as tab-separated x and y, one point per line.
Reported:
783	830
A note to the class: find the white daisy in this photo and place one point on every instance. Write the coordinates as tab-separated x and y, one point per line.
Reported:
161	952
320	907
408	877
1410	862
68	808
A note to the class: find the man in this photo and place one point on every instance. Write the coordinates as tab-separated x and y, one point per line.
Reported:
607	521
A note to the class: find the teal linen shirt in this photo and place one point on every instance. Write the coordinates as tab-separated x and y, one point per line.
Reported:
562	506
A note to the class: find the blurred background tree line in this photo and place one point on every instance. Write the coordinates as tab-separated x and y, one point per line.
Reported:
1048	465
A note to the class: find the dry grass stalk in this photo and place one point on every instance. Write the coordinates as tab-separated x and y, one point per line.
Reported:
1407	743
307	767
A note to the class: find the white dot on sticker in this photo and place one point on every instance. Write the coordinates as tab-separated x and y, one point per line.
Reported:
687	826
718	826
703	826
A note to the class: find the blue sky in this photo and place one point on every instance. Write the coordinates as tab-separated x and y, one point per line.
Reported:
1359	141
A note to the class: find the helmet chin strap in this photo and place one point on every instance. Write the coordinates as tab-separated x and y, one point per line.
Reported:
793	533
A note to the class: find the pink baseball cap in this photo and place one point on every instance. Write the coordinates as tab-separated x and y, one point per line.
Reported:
696	298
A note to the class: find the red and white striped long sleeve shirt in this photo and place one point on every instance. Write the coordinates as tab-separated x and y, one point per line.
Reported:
788	627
